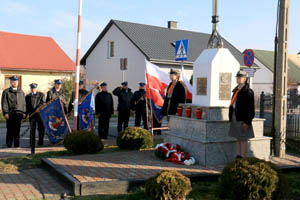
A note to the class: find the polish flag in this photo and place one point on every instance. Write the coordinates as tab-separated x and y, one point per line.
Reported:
156	83
187	84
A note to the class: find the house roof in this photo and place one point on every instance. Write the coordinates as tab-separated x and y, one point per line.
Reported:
295	58
156	42
28	52
267	59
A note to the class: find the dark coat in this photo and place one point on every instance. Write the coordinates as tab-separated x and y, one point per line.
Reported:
104	104
82	94
139	101
51	94
13	101
124	98
244	107
33	102
178	96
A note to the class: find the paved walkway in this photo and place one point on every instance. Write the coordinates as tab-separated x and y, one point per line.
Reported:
131	165
30	184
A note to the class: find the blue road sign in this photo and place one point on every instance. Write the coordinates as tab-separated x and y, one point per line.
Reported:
181	50
248	57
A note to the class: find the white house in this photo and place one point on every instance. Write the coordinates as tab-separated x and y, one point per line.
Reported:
263	78
138	42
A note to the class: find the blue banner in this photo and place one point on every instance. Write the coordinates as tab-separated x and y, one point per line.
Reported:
86	112
156	111
55	122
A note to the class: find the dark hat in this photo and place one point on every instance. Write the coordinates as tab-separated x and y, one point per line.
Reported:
125	83
58	81
142	84
14	78
33	85
103	84
174	71
241	74
81	83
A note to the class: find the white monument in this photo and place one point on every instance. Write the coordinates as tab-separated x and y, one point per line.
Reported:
214	77
207	138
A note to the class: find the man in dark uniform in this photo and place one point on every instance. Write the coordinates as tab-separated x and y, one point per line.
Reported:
56	91
104	109
14	109
33	101
124	95
82	93
139	105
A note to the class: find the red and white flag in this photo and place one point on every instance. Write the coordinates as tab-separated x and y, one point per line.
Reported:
187	84
156	83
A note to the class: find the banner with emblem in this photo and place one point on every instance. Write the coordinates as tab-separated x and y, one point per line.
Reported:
86	112
55	121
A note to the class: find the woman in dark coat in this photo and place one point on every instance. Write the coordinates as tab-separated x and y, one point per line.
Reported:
175	94
241	113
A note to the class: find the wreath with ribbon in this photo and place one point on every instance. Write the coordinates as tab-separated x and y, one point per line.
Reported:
173	153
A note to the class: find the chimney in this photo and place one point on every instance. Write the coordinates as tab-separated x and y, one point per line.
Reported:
172	25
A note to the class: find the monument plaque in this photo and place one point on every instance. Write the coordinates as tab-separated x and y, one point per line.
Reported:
225	86
202	86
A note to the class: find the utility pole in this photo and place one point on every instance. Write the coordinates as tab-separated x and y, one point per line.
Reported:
280	80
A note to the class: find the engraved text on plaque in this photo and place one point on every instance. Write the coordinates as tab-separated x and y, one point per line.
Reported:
202	86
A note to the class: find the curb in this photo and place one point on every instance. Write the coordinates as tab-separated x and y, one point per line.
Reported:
72	183
109	187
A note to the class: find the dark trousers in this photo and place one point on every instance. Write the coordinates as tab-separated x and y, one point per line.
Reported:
156	124
37	122
123	118
103	127
13	125
138	117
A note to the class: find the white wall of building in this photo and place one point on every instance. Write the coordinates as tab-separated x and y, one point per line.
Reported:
99	67
262	80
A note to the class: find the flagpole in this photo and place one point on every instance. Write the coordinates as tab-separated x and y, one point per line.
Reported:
151	111
77	73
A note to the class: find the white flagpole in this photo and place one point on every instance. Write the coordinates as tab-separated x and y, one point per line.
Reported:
77	73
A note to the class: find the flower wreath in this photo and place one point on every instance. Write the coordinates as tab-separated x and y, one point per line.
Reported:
173	153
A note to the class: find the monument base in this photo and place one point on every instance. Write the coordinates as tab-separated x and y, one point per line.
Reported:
208	141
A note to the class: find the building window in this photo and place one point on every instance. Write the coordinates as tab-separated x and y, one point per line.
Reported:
7	81
111	49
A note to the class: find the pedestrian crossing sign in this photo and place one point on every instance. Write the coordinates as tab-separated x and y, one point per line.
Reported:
181	50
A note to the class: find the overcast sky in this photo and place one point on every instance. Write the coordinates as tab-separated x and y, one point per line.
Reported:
246	24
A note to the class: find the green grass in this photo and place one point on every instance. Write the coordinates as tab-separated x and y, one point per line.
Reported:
201	190
294	184
28	161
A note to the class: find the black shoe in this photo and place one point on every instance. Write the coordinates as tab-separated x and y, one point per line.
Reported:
238	157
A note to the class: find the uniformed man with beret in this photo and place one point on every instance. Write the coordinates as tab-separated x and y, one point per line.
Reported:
82	93
104	110
14	110
139	105
125	96
57	91
34	100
